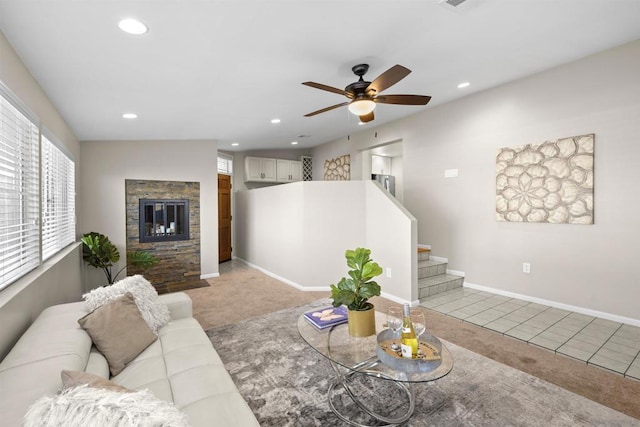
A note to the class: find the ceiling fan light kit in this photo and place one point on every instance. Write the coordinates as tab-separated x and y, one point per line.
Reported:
362	107
364	95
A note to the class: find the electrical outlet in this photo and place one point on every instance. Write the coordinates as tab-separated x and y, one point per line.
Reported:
526	268
388	272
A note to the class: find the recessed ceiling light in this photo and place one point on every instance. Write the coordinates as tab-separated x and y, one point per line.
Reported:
129	116
132	26
234	144
294	142
463	85
275	121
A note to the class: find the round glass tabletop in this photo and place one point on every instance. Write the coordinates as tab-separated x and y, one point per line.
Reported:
360	354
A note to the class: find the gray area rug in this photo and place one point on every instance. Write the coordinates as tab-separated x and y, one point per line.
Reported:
285	383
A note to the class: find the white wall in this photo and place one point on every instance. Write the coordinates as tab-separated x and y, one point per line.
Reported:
59	279
397	168
585	266
333	223
393	232
299	232
106	164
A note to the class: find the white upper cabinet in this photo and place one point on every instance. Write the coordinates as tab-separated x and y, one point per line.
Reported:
260	169
289	170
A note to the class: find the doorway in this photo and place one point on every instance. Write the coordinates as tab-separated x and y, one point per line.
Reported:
224	218
385	161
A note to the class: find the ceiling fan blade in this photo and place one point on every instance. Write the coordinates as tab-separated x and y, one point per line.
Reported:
328	89
387	79
403	99
367	117
326	109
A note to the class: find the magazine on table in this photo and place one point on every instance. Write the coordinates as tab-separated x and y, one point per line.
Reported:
328	316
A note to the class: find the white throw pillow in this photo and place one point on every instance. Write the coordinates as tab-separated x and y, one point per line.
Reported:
153	311
88	406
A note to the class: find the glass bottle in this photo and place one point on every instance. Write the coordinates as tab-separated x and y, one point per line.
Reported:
408	339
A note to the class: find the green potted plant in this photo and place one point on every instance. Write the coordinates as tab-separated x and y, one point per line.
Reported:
99	252
355	291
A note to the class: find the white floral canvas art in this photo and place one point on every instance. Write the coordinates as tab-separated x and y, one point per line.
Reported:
548	182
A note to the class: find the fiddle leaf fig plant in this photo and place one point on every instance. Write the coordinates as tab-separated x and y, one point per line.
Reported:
99	252
355	291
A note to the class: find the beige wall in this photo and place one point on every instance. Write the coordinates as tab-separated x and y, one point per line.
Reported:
15	75
59	279
586	266
300	231
106	164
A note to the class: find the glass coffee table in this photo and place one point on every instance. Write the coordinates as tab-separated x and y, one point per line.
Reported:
351	356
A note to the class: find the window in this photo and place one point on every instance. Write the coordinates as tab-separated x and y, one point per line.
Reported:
164	220
35	176
19	193
58	199
225	164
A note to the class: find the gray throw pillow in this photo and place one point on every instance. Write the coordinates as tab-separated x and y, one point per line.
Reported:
78	378
153	311
118	331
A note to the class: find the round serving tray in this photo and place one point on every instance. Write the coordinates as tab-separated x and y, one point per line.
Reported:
429	359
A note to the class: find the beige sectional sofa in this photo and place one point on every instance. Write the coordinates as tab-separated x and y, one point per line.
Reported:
180	367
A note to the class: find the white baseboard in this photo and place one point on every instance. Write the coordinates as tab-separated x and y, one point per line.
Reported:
209	276
396	299
287	281
568	307
456	272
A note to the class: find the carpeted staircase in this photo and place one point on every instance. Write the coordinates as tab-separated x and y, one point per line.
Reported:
432	276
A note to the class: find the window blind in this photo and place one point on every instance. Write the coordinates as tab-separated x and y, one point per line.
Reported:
19	194
225	164
58	199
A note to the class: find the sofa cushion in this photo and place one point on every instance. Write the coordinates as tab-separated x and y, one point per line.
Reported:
32	368
178	303
87	406
97	363
183	367
154	312
118	331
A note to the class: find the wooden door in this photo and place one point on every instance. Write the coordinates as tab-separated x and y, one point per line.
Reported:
224	217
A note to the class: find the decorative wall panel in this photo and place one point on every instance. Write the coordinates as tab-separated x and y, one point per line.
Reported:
338	169
547	182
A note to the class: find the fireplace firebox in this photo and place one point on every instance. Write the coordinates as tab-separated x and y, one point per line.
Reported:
164	220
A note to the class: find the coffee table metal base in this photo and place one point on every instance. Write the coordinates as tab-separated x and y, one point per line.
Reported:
364	369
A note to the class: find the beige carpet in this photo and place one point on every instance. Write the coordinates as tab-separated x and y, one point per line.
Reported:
242	292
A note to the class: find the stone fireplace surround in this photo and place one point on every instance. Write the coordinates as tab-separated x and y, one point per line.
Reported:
179	260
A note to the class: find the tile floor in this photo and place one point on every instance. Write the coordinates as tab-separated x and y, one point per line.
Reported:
604	343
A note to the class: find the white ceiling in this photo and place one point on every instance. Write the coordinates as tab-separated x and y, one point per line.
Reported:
222	70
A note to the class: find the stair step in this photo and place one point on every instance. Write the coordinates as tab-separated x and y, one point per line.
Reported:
441	283
430	268
423	254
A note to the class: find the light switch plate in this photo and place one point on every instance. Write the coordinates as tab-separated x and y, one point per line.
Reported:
450	173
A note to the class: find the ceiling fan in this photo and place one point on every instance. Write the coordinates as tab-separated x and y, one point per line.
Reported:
364	95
